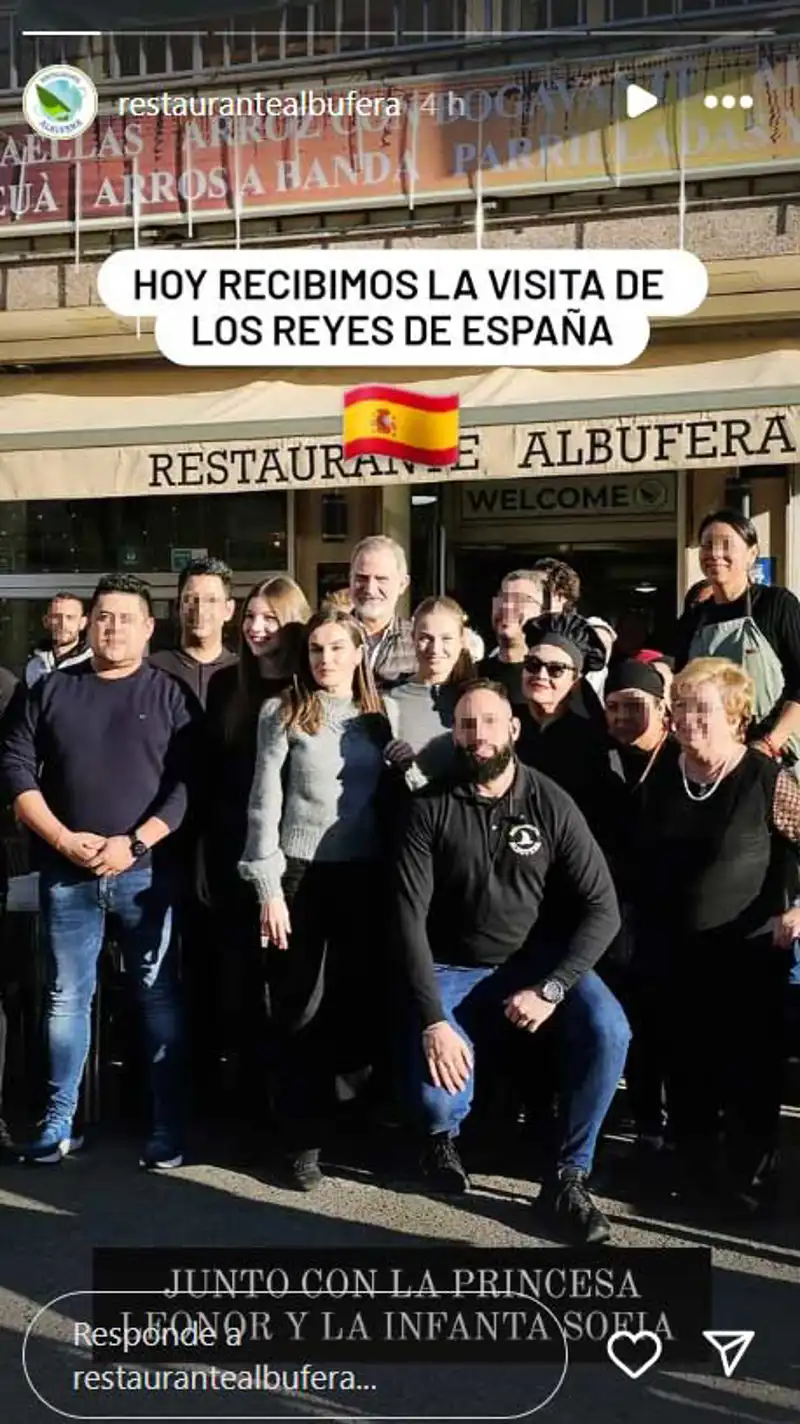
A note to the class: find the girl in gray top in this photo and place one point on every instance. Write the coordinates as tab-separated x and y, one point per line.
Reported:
313	854
421	711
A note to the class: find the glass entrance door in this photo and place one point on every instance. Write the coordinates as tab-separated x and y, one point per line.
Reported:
633	585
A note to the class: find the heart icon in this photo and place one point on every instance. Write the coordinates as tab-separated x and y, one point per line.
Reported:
653	1352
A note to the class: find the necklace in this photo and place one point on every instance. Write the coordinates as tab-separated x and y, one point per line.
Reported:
710	787
651	762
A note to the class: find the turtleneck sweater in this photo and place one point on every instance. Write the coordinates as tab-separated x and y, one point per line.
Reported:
313	796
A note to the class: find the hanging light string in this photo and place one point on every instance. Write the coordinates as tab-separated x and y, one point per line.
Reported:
136	220
187	164
479	187
237	195
412	177
618	140
78	204
682	177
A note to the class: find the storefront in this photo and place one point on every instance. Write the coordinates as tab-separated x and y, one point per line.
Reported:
611	469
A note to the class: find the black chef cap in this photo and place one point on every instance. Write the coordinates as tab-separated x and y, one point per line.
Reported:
572	633
630	674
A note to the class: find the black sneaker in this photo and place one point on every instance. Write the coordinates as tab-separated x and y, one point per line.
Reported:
8	1153
567	1200
442	1167
304	1170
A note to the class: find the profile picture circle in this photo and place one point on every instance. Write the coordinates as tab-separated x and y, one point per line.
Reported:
60	102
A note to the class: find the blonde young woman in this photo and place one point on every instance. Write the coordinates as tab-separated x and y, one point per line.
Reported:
421	711
313	855
716	846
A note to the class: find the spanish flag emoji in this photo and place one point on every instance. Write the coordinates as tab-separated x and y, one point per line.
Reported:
384	420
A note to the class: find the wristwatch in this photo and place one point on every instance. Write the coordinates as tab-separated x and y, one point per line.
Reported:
138	848
552	991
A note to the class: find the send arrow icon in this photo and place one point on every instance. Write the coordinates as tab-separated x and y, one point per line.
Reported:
730	1345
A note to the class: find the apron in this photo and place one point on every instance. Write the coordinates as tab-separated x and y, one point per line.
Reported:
741	641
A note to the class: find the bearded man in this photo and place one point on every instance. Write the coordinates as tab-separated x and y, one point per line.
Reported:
503	903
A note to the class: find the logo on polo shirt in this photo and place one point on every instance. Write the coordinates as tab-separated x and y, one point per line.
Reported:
525	839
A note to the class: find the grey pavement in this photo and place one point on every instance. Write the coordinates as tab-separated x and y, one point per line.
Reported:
50	1218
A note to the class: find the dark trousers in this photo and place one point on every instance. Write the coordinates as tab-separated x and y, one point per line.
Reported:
725	1011
3	1044
223	981
642	997
326	993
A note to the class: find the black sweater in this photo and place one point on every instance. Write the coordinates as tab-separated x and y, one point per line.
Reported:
710	872
472	875
573	752
106	754
197	677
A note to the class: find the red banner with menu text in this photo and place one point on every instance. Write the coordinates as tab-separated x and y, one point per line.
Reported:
527	130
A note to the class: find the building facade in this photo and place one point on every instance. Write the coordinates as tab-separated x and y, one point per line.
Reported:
110	457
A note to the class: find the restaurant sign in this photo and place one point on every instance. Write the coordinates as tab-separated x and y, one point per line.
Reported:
560	127
631	445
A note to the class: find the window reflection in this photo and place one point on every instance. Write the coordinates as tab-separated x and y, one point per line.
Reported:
144	534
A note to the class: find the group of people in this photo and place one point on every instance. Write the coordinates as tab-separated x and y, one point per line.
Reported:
386	863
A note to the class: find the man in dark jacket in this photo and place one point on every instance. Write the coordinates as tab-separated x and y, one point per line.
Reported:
97	763
65	645
479	861
205	605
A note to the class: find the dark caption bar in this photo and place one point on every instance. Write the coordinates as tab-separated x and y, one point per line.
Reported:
437	1306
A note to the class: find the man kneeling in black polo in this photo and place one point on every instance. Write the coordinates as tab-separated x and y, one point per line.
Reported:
479	860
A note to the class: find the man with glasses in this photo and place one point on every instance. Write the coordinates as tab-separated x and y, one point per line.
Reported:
205	605
97	762
484	862
522	595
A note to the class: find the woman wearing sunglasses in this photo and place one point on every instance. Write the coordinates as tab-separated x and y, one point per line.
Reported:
559	735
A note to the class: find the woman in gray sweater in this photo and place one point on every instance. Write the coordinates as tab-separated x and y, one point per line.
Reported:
421	711
313	854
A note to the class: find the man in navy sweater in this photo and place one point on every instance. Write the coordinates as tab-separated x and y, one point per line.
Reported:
97	763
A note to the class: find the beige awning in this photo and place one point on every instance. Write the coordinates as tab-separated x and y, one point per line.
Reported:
139	430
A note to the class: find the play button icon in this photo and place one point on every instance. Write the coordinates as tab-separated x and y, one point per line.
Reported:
638	100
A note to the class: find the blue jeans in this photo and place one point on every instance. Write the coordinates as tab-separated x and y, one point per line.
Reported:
74	909
593	1037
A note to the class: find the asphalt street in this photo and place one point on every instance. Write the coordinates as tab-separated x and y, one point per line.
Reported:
50	1219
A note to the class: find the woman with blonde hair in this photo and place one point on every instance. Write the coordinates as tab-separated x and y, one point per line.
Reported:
270	627
716	841
421	711
313	855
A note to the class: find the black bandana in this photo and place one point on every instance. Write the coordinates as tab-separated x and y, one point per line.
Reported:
630	674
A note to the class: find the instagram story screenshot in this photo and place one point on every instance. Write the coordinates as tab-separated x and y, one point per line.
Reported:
400	710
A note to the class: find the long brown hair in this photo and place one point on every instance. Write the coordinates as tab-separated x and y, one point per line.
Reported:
303	706
464	667
290	606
